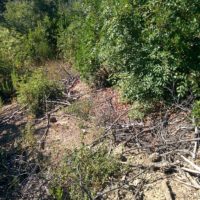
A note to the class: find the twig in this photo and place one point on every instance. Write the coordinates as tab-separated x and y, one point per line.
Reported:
190	170
196	135
192	180
82	186
190	163
60	102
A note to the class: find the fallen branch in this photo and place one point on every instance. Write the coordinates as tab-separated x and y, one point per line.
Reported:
190	170
196	135
60	102
116	187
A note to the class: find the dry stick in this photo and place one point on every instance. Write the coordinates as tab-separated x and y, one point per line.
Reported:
196	135
42	141
135	136
192	180
62	67
190	170
190	163
60	102
166	190
51	112
168	143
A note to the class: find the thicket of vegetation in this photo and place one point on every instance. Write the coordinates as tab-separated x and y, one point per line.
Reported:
149	50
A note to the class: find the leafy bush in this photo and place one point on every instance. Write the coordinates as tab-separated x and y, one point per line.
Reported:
84	174
21	15
148	48
35	90
151	52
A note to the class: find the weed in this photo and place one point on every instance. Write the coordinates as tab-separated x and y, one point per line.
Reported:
84	173
80	109
196	112
28	136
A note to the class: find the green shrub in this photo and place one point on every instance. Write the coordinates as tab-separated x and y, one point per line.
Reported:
85	168
152	53
149	48
35	90
21	15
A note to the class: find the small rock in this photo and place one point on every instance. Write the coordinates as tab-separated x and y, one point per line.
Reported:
123	158
136	182
53	120
155	157
84	131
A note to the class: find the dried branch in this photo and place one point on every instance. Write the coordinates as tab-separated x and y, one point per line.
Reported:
190	163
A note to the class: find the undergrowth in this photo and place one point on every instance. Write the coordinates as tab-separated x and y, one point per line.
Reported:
35	90
84	173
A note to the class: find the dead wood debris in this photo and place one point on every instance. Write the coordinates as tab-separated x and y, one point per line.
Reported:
173	140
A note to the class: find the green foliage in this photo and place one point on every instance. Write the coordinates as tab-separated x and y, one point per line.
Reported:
21	15
35	90
11	49
92	167
149	48
28	135
32	24
83	26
